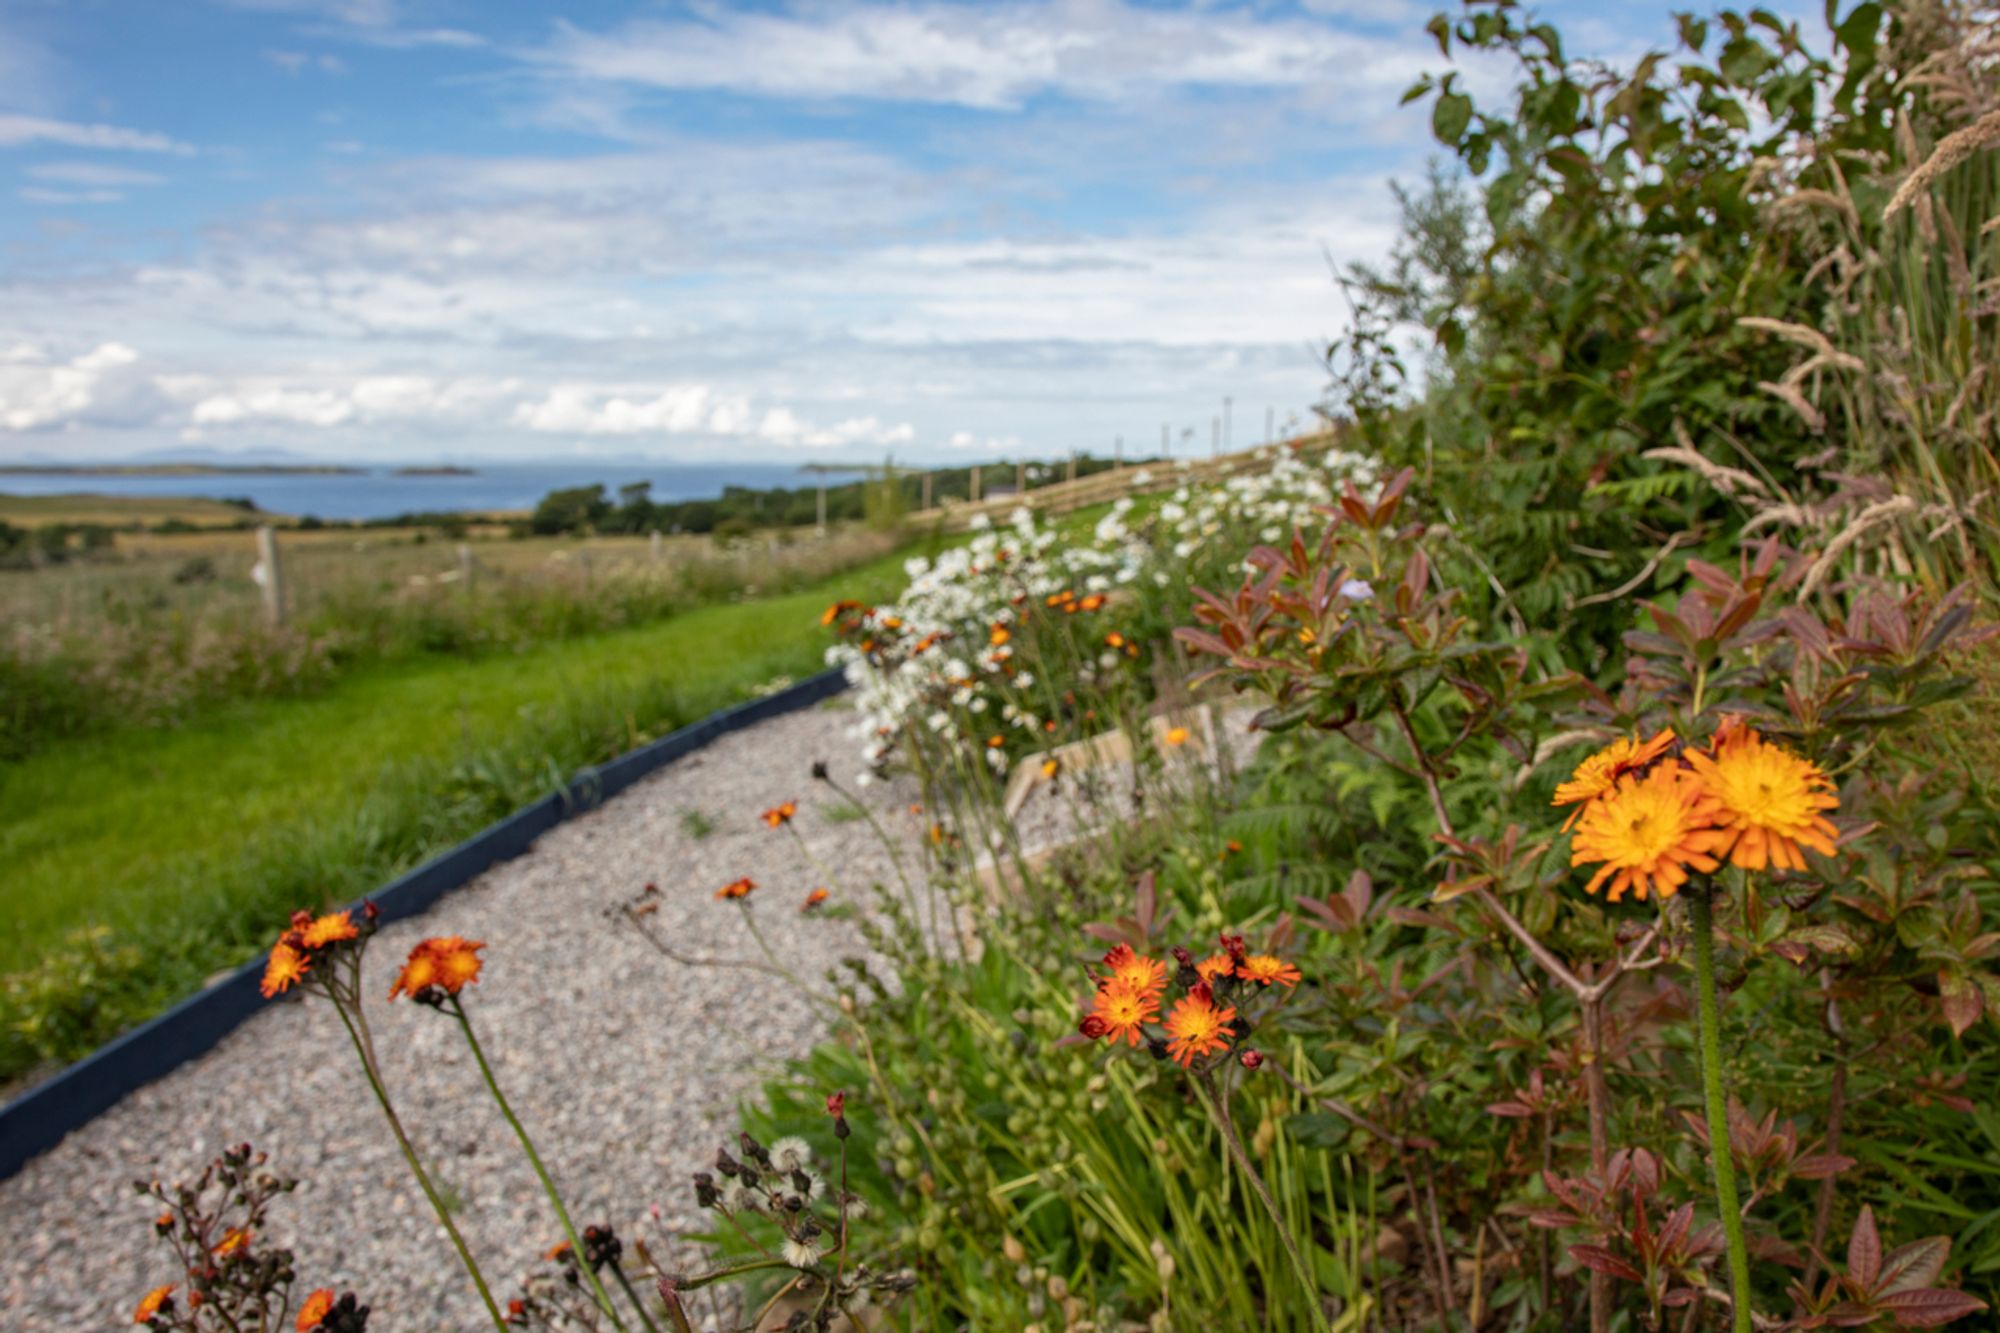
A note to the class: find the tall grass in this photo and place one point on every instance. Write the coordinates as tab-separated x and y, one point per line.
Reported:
171	629
1902	374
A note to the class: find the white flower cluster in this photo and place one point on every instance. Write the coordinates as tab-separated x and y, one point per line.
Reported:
952	624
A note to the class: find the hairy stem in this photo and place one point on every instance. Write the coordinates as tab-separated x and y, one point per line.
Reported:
535	1160
1218	1109
361	1049
1709	1017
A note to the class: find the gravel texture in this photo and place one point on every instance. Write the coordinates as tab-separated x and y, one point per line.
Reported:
626	1067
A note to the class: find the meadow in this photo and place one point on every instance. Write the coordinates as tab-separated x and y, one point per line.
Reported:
139	856
158	627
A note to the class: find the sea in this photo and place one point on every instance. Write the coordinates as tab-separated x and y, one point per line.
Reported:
378	492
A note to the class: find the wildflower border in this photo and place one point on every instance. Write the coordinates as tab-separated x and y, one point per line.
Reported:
45	1114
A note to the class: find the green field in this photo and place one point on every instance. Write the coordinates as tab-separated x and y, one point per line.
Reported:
189	843
117	510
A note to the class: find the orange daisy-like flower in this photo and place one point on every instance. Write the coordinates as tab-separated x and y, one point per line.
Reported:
558	1250
1114	639
1649	832
328	930
1051	767
1598	774
1771	800
1125	1011
1134	971
448	962
1092	602
995	741
285	969
814	899
999	635
737	888
780	815
1198	1026
836	611
1263	969
1215	967
234	1241
316	1308
1177	736
152	1303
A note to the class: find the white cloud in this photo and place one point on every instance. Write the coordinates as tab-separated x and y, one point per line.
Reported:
93	173
296	62
994	56
18	130
35	194
691	409
101	385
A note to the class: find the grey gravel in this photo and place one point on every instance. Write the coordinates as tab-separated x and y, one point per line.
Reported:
627	1068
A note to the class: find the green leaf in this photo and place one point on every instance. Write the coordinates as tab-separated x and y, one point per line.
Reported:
1450	117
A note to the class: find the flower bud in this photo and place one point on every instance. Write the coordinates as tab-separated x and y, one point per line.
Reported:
1253	1059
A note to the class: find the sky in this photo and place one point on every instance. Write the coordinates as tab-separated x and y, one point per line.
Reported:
424	230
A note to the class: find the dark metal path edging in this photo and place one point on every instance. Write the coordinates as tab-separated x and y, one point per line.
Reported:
39	1118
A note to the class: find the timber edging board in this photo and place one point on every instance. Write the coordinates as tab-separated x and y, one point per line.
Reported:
41	1117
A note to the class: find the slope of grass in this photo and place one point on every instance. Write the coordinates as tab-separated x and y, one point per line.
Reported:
134	864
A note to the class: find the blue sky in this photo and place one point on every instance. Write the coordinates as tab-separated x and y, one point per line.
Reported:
421	229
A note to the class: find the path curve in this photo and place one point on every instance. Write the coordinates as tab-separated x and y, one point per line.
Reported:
626	1067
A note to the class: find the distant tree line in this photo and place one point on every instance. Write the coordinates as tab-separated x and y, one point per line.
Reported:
742	509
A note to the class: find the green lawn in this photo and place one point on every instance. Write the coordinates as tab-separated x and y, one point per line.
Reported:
190	843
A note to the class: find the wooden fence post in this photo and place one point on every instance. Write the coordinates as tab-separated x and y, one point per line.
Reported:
975	483
927	491
657	545
270	576
466	568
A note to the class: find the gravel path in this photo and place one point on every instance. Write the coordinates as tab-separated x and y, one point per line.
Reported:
627	1068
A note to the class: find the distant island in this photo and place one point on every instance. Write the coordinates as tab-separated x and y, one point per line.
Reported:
178	470
445	470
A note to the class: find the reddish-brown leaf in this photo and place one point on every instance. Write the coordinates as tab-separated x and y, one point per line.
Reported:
1864	1250
1930	1307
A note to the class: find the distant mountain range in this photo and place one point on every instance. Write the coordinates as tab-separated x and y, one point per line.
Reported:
177	469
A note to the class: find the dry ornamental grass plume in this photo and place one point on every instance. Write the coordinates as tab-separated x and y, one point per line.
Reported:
1953	150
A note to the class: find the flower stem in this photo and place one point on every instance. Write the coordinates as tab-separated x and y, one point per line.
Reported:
637	1304
535	1160
416	1166
1218	1110
1709	1018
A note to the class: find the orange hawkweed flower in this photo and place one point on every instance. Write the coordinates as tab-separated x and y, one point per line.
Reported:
154	1301
286	969
1051	766
234	1241
1135	971
558	1250
814	899
1771	800
995	741
1198	1026
737	888
328	930
1092	602
1263	969
1600	773
1125	1010
836	611
780	815
316	1308
1649	832
999	635
1115	639
1177	735
448	962
1215	967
